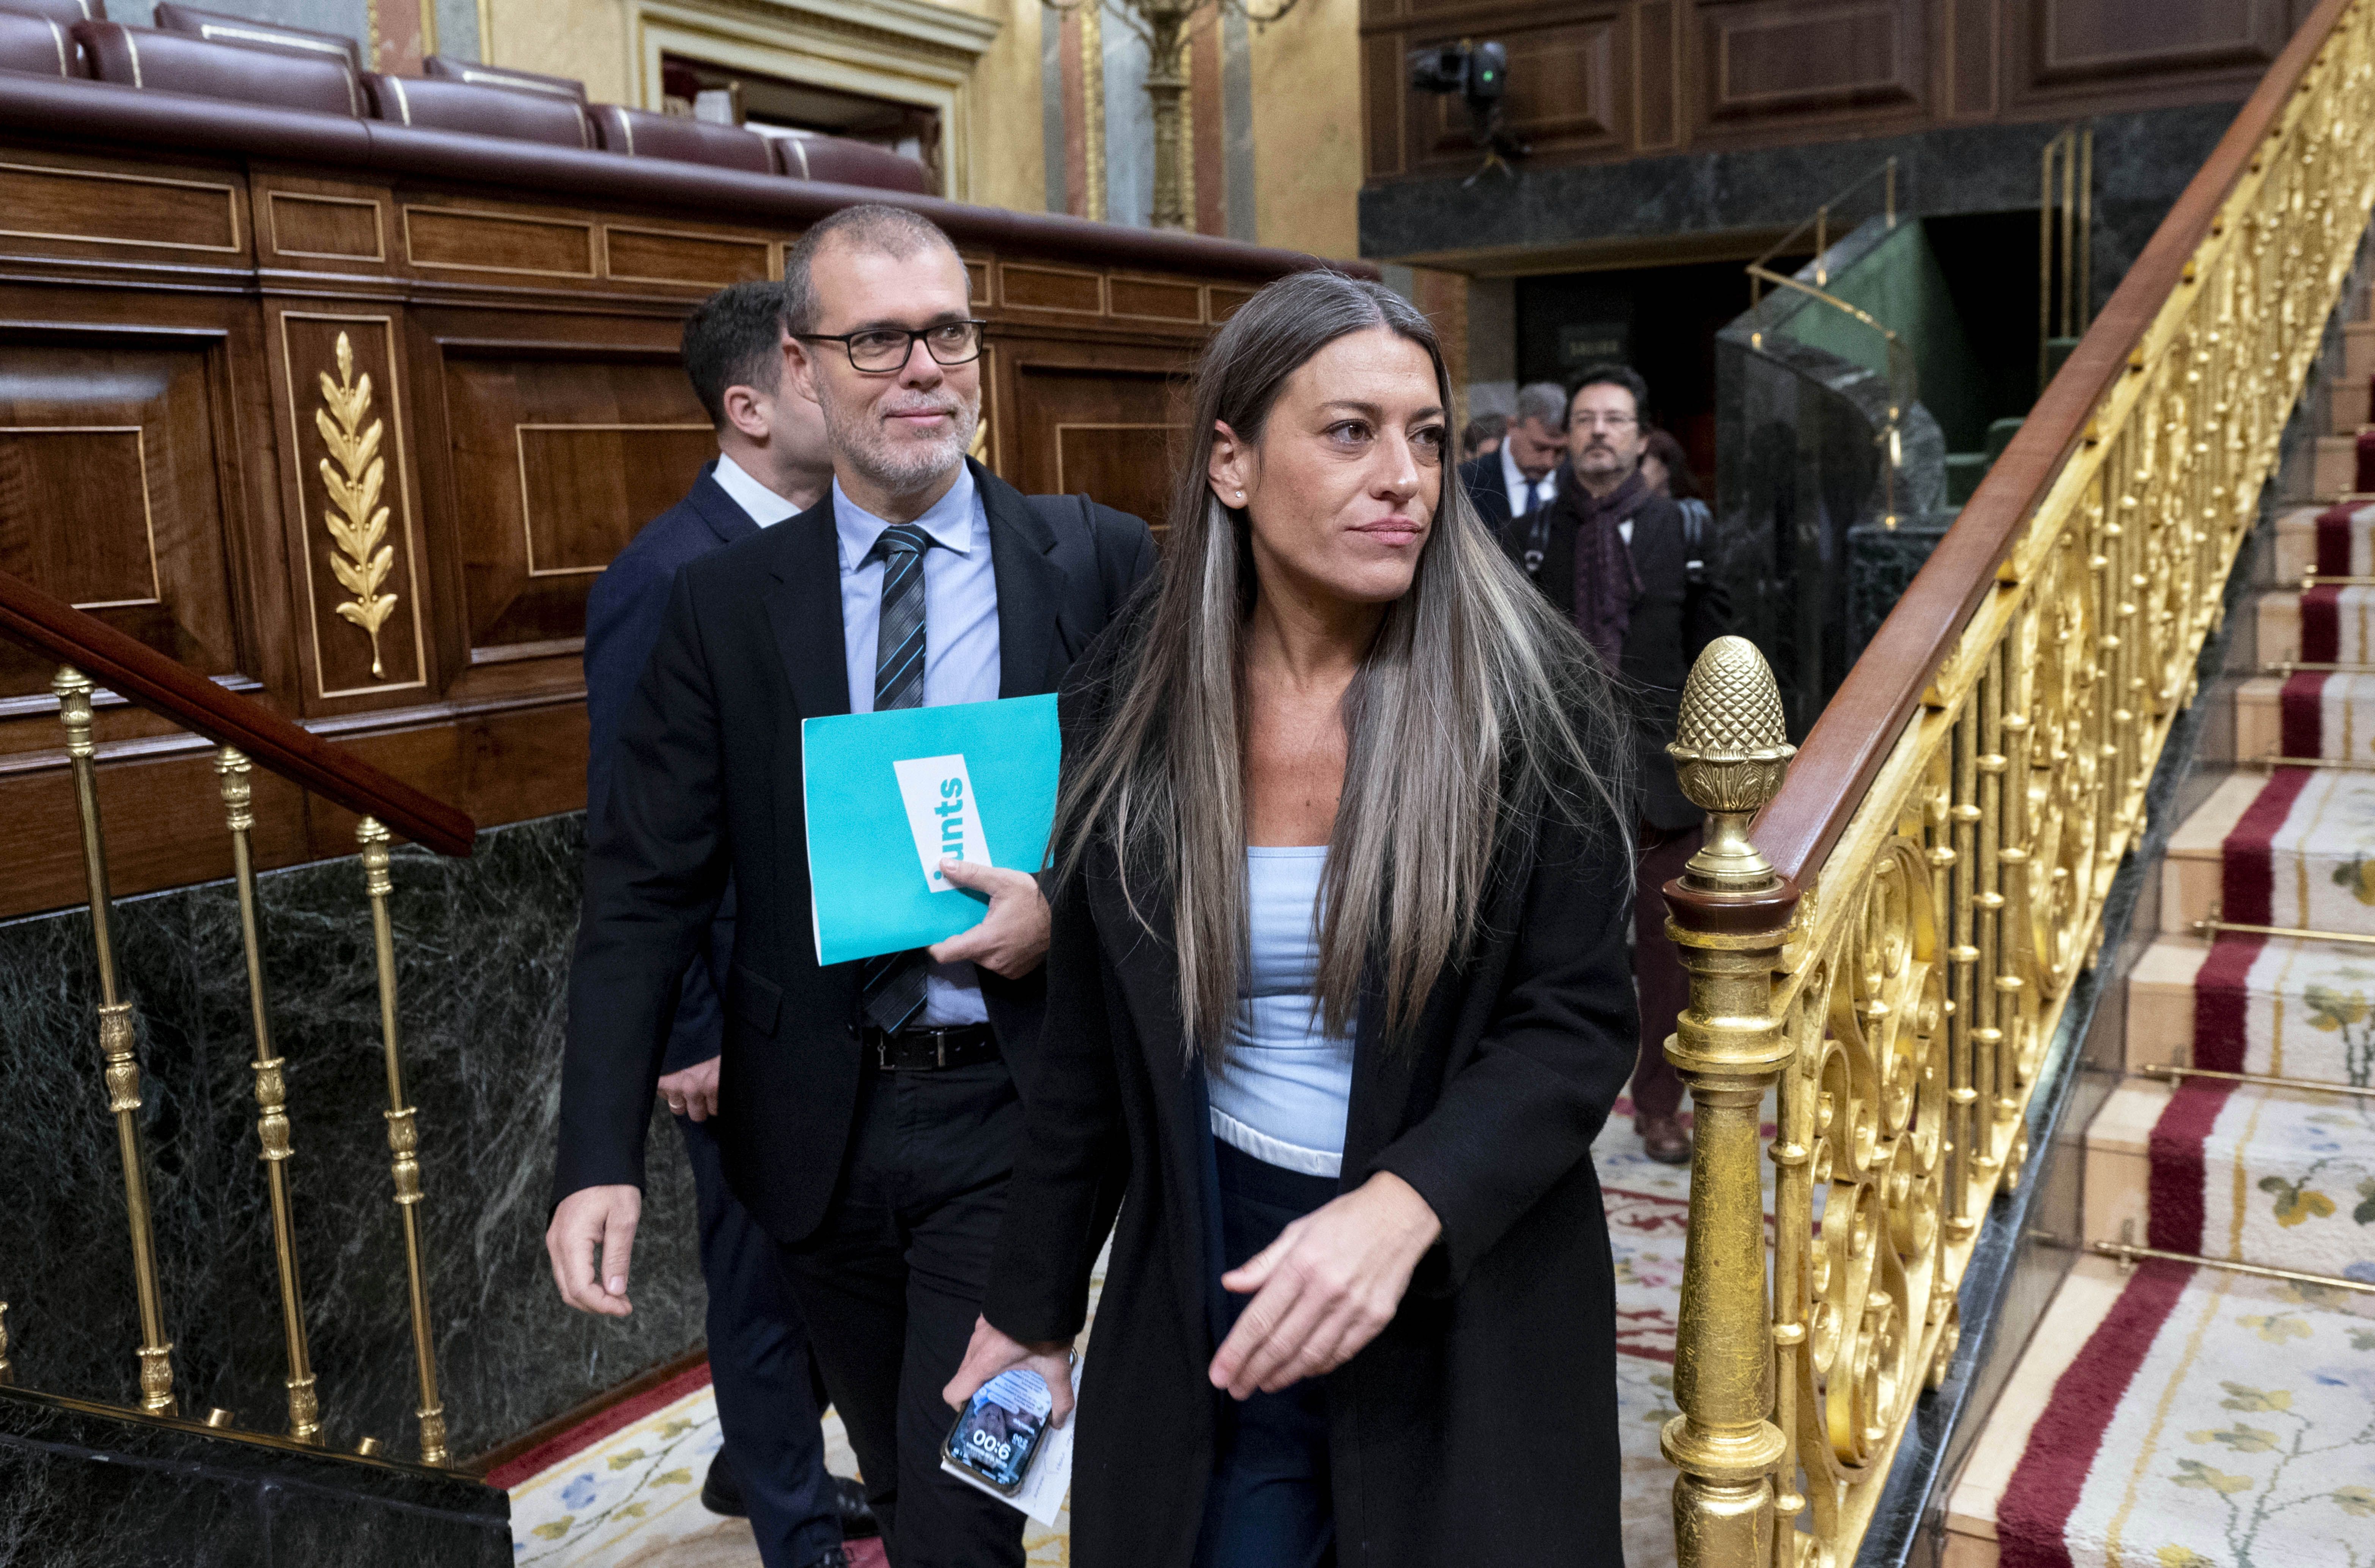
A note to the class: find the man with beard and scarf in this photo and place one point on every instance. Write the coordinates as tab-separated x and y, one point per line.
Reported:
1618	561
867	1112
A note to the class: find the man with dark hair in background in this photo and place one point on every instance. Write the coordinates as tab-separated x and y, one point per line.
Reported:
1616	556
868	1111
1481	436
772	463
1517	482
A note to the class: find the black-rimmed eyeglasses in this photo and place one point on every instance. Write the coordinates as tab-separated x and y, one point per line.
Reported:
882	349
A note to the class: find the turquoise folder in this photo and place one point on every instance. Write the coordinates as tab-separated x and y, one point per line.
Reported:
889	795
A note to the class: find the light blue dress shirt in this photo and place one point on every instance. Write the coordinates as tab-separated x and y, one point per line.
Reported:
960	652
1280	1091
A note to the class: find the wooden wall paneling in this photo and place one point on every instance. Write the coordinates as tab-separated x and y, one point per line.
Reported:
1385	102
1570	89
486	239
304	223
1657	61
501	764
1104	419
1792	60
351	519
112	458
637	252
2067	46
186	212
164	819
1971	59
564	452
1065	290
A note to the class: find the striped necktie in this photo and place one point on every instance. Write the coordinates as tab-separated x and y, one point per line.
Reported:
890	988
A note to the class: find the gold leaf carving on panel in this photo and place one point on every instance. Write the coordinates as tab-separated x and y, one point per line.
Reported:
354	474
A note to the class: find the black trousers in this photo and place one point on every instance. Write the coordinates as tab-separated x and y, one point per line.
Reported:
890	1284
759	1368
1269	1504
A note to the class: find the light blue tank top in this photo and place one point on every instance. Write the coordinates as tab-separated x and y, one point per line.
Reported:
1280	1091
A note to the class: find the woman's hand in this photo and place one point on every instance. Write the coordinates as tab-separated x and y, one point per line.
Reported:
1324	1289
992	1352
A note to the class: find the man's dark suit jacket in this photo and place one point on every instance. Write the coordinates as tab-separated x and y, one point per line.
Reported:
623	621
1488	488
705	785
1660	644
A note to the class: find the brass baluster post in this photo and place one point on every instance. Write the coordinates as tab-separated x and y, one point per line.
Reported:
1729	913
116	1038
271	1097
403	1137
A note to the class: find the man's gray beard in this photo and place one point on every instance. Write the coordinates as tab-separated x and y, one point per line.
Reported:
909	466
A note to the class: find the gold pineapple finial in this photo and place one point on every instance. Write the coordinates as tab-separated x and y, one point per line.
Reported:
1730	751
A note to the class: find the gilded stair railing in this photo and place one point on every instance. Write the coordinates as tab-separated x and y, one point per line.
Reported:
1892	953
93	655
117	1039
119	1043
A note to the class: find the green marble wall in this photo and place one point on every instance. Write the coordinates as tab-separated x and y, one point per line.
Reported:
483	947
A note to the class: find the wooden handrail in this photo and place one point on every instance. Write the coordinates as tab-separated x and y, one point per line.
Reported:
1861	723
165	686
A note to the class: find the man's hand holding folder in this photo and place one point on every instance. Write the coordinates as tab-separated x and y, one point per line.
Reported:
1013	937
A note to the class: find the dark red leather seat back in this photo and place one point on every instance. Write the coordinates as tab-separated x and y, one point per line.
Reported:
65	13
843	161
681	139
39	45
220	27
437	104
170	62
446	68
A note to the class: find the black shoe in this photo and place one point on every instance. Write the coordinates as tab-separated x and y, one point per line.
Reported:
833	1558
722	1492
858	1521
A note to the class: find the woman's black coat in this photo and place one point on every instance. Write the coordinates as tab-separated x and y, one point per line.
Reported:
1480	1427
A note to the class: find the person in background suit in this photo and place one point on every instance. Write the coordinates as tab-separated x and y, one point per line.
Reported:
868	1112
1618	560
1519	480
1483	435
772	463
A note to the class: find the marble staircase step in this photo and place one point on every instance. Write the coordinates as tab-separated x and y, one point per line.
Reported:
2336	468
2192	874
2160	1003
2278	1175
2275	617
2078	1308
2349	405
2316	866
2358	351
2184	1417
2345	714
2296	550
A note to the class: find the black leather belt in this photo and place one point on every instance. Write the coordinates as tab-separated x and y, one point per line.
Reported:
928	1050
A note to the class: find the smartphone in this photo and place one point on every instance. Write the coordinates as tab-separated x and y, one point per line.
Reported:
997	1437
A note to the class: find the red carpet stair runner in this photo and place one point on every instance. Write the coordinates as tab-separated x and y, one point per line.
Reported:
2182	1416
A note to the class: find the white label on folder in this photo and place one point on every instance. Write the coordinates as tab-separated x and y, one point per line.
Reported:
943	815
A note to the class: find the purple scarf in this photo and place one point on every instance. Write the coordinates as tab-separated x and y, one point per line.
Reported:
1605	583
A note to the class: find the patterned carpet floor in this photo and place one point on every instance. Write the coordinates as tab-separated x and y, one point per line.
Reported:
623	1491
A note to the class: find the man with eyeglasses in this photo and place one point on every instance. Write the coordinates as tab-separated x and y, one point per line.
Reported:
866	1110
1617	557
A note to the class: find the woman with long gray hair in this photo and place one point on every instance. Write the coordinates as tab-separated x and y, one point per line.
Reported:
1338	998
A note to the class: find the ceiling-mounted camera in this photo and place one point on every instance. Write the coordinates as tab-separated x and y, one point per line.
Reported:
1478	75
